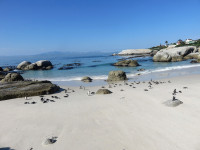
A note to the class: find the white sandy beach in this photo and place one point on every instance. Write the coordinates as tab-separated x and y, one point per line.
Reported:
132	119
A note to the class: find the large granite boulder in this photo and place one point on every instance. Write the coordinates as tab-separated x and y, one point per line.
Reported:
173	54
43	64
198	49
192	56
116	76
103	91
23	65
10	77
127	63
11	90
32	66
135	52
86	79
154	52
198	59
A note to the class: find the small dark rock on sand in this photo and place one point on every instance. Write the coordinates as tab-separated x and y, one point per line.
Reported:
173	103
50	141
103	91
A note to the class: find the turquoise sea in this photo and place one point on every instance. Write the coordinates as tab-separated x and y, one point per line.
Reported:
97	66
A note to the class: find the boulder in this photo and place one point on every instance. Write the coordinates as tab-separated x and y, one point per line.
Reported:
7	69
65	68
127	63
74	64
10	77
198	49
49	67
154	52
11	90
32	66
173	54
2	75
86	79
135	52
116	76
103	91
198	58
69	66
142	69
1	69
192	56
43	64
194	61
177	58
23	65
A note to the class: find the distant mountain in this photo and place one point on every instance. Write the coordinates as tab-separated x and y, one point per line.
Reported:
53	55
73	54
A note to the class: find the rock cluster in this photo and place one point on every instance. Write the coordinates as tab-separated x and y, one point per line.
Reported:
127	63
174	54
69	66
116	76
39	65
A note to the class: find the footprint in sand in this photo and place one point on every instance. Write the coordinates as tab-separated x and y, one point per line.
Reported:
50	141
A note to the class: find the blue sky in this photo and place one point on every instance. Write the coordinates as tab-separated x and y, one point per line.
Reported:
38	26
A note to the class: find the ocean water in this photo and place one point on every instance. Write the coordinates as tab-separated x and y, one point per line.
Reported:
98	67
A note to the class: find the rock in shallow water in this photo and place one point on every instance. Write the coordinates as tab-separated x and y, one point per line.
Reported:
194	61
127	63
86	79
42	64
23	65
69	66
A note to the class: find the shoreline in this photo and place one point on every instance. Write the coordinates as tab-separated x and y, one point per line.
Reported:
165	74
